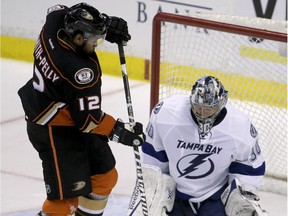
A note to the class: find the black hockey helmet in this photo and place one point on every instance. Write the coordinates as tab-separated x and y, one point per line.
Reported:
87	20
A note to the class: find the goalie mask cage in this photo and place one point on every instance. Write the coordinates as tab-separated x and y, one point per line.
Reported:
248	55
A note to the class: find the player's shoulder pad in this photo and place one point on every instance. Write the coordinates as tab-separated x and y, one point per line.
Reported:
238	117
171	103
56	8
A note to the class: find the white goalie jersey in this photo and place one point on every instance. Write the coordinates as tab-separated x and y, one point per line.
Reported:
201	166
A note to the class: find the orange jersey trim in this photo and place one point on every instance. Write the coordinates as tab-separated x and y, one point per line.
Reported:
56	161
105	127
63	118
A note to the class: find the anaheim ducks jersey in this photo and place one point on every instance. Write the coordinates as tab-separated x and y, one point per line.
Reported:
66	86
202	165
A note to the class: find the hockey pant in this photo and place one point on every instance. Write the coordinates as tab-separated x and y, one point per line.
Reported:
210	207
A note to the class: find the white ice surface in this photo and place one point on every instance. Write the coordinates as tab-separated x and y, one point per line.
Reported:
22	187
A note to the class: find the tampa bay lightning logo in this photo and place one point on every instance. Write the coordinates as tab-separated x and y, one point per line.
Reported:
158	107
195	166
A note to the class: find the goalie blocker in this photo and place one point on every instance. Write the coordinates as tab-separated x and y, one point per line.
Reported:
241	200
160	193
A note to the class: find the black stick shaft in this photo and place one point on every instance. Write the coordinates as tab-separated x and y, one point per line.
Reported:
139	173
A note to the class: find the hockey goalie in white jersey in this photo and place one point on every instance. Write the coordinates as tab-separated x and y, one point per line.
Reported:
209	149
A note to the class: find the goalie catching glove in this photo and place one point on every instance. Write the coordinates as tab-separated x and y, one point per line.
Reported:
123	133
241	201
117	30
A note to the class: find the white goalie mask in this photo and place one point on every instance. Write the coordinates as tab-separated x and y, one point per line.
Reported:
208	97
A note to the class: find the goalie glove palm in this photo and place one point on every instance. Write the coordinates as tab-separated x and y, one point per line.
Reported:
122	133
240	202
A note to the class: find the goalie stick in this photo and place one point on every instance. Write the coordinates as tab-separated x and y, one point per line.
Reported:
132	123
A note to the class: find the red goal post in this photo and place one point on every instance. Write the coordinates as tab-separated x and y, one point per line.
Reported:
249	55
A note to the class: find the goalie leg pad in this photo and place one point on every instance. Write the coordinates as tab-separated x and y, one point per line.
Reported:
160	193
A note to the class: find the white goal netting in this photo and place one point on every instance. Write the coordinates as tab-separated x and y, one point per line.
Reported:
249	56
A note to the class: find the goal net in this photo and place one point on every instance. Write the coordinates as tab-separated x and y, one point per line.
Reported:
248	55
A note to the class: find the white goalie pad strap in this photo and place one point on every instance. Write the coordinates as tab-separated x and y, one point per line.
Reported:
160	193
238	202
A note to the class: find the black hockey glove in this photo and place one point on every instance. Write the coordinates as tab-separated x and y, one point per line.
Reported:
117	30
122	133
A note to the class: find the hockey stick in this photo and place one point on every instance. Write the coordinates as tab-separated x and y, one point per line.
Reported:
132	123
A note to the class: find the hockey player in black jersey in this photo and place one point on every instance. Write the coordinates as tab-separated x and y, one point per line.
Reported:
62	104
